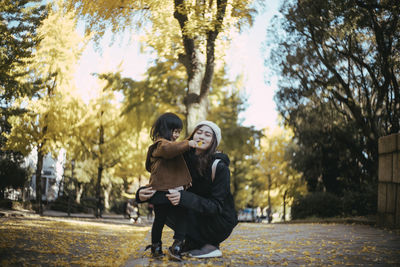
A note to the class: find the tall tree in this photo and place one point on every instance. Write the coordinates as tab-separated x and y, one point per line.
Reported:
104	137
19	21
329	149
344	53
187	31
48	116
278	179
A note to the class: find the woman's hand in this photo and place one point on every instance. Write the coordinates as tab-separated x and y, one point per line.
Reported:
174	197
146	193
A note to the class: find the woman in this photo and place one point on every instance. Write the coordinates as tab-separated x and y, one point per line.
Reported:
211	211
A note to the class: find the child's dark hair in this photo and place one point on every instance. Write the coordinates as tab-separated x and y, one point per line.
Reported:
164	126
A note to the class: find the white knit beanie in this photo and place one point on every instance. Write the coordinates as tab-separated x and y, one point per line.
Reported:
214	127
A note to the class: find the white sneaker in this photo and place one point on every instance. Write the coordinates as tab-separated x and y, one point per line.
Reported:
207	251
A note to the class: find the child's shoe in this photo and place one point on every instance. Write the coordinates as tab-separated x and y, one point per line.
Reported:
175	251
156	250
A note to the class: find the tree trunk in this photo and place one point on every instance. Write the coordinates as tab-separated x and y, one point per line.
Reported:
234	181
25	190
78	192
107	192
69	203
284	206
98	192
39	167
69	188
196	103
269	190
196	112
100	169
269	210
60	186
199	65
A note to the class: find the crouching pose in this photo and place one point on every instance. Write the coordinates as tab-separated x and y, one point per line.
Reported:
211	214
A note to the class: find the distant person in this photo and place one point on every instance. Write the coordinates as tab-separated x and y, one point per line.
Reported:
132	210
211	213
169	173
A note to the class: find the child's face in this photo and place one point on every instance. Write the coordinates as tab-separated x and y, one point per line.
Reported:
175	134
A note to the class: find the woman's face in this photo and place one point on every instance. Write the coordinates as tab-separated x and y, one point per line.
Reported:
204	137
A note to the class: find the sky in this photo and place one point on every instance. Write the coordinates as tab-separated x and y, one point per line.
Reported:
246	56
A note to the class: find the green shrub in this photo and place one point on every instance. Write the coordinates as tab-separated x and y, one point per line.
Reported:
61	204
318	204
87	205
360	203
15	205
118	207
5	204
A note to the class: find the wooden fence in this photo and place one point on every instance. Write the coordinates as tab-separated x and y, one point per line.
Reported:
389	181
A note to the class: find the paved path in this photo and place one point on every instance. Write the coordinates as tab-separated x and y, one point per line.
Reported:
106	218
298	244
251	244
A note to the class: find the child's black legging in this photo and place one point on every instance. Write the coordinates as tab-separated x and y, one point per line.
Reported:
161	212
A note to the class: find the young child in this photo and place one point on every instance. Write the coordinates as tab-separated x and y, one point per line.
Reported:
168	173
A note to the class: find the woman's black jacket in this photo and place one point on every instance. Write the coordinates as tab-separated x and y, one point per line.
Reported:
210	203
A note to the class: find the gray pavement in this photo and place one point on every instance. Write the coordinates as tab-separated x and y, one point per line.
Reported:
260	244
310	244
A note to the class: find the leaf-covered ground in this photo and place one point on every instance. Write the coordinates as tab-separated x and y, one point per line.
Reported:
299	245
61	242
312	244
57	242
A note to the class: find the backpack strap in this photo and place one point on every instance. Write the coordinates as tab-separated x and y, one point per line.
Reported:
214	169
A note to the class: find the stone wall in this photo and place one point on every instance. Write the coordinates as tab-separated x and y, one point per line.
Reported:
389	181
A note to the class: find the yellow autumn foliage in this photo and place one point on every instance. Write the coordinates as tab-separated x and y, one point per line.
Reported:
275	164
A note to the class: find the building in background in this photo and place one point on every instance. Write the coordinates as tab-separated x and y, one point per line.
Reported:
52	175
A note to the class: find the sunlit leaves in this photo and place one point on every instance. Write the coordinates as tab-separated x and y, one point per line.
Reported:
193	33
202	17
48	117
276	173
66	243
61	242
60	46
28	129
